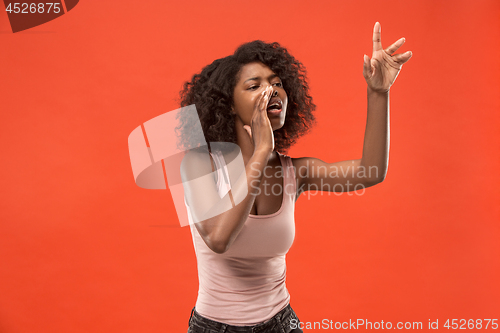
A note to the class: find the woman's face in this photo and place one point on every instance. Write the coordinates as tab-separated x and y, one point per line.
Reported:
253	80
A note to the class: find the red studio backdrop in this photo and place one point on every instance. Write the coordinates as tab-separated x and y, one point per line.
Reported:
84	249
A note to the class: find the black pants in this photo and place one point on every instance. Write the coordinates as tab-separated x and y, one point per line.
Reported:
285	321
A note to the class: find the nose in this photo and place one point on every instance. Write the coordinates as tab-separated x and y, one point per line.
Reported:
275	93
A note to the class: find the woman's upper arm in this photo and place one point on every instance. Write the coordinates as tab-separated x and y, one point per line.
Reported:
201	192
344	176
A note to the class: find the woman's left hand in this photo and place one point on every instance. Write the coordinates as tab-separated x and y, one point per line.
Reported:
381	70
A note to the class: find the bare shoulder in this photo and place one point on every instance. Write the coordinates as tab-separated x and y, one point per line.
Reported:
196	163
299	163
302	170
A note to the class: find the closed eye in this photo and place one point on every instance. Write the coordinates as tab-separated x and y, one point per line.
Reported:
277	84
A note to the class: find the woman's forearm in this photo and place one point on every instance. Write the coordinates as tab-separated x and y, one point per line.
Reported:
376	142
220	231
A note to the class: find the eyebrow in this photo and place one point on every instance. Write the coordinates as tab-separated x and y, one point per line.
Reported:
272	76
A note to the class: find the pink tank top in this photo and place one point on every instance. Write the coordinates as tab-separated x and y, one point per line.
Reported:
246	284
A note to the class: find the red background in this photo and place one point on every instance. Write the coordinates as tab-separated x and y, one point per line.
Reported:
83	249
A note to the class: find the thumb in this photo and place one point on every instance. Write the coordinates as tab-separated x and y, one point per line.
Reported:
249	130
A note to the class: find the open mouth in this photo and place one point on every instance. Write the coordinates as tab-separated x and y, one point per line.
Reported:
275	106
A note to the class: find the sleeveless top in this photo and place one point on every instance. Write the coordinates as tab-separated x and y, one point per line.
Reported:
246	284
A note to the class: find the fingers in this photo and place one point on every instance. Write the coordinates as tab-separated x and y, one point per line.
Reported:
258	102
377	42
394	47
265	99
402	57
367	67
259	117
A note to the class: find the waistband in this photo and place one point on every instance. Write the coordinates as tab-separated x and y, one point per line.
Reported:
282	318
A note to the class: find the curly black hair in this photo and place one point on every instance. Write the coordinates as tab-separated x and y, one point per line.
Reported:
211	91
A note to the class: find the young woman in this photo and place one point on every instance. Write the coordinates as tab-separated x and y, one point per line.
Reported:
257	101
